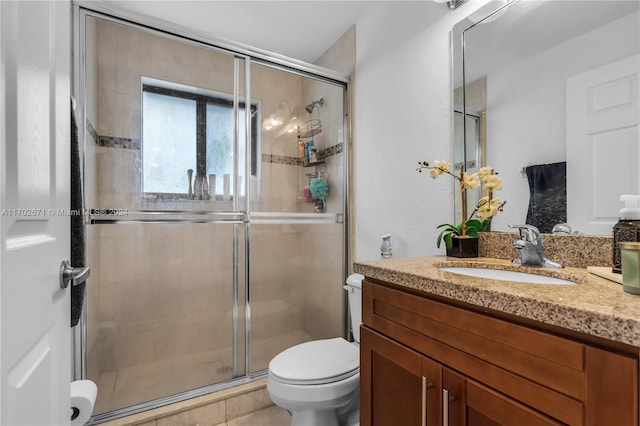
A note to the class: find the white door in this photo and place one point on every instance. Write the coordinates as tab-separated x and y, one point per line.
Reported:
603	155
35	40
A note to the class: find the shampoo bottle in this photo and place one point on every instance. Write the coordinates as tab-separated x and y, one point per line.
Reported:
627	229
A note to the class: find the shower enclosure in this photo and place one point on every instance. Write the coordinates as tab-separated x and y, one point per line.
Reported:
208	253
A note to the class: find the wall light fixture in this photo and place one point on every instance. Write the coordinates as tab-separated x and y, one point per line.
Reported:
451	4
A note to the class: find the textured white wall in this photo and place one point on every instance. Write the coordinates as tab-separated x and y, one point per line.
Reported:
403	104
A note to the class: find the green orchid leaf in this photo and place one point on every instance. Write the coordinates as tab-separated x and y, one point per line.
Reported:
476	223
448	240
449	227
472	231
447	233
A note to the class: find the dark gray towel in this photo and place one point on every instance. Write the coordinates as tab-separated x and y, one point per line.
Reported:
77	222
547	195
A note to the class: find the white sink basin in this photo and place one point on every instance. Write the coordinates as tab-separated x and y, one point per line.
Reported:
499	274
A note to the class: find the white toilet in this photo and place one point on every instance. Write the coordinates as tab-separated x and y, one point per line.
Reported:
318	382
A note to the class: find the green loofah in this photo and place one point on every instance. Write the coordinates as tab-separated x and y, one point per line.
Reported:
319	188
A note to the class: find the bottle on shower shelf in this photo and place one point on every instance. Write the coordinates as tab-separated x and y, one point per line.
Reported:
313	153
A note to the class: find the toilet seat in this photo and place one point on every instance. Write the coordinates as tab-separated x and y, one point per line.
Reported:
316	362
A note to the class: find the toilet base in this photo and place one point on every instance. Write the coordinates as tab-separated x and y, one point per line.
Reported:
323	418
314	417
332	404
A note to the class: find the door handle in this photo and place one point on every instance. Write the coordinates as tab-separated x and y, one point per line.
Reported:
75	276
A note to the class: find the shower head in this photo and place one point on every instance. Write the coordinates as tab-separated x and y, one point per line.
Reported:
309	108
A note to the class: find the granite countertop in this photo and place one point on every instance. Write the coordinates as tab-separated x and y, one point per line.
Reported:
595	306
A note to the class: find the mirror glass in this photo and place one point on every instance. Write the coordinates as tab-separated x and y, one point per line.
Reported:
550	89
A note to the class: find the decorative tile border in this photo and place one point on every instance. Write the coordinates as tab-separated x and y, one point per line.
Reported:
92	132
135	144
281	159
332	150
114	142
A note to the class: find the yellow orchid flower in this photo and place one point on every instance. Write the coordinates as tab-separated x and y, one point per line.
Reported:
485	171
470	181
439	167
486	208
492	182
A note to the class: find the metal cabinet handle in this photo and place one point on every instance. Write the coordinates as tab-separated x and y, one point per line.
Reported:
72	275
446	400
426	385
445	407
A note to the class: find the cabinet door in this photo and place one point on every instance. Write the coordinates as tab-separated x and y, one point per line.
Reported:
466	402
398	386
454	399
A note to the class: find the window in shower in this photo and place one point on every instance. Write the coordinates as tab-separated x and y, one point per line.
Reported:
191	129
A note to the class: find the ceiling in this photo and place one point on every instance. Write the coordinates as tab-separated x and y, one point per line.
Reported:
297	29
529	27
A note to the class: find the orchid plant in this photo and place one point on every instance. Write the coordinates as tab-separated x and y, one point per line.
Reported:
488	206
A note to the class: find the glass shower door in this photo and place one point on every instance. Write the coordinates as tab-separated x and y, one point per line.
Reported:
467	151
297	229
166	235
216	235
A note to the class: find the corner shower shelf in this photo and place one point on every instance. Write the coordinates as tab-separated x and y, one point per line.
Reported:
309	133
312	127
317	163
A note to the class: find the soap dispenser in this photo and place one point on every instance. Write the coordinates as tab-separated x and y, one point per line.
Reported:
385	247
627	229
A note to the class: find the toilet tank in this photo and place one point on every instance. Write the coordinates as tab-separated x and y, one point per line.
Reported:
354	291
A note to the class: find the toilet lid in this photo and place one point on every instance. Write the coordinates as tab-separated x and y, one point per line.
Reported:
316	362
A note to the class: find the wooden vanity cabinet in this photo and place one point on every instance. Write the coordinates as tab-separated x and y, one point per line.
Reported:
398	386
428	362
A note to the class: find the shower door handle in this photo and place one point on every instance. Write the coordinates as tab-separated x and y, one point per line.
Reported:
69	274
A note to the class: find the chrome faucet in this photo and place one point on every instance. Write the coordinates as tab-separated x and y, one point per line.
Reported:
529	247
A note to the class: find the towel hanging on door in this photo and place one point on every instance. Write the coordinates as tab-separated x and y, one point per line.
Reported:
547	195
77	221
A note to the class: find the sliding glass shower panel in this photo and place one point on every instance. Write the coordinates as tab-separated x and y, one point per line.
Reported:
466	147
302	135
296	286
297	231
216	235
166	243
173	106
163	308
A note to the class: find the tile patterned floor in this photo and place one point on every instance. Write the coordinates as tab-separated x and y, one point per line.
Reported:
245	405
271	416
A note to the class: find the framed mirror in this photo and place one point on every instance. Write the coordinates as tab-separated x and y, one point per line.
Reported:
550	95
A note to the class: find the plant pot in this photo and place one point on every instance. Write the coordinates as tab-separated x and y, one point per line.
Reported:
463	247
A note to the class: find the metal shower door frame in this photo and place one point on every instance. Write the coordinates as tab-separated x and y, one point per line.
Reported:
240	216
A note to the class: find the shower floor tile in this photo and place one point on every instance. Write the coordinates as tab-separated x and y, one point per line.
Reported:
132	385
272	416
